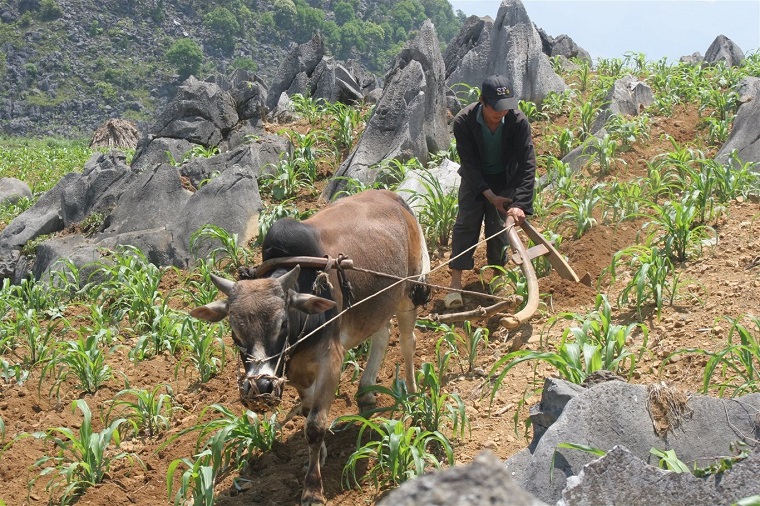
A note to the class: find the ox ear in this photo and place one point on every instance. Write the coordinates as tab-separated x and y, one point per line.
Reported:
224	285
213	312
310	304
288	280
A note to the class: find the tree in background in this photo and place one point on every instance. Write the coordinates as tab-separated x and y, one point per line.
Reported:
186	56
223	26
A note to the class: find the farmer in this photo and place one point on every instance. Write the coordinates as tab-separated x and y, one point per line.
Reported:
498	171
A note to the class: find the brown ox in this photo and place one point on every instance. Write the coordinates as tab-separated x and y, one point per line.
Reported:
377	231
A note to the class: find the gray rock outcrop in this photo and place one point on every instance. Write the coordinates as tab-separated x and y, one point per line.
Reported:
410	118
743	138
484	481
622	478
616	413
309	71
514	48
725	50
12	190
628	97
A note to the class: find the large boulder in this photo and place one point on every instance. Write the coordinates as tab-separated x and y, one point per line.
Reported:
484	481
743	139
409	121
620	477
635	416
468	53
516	51
724	50
627	97
12	190
201	113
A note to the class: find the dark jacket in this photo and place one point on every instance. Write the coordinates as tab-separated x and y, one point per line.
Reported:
517	146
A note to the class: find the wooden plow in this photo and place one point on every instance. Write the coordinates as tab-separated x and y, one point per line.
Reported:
522	257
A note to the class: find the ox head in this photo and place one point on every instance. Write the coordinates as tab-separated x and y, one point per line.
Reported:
263	315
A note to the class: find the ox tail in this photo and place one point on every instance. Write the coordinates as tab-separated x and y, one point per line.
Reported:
421	294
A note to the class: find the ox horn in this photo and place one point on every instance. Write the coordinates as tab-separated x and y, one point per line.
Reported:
288	280
224	285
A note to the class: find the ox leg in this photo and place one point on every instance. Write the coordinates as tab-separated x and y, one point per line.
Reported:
378	346
323	393
406	315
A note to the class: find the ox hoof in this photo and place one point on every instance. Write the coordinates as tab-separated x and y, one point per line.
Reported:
313	499
453	301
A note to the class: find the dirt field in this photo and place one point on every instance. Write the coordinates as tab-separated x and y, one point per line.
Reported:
723	282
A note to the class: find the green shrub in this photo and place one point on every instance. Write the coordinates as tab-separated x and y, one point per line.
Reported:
50	10
186	56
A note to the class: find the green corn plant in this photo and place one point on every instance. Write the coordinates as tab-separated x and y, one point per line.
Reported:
164	335
10	210
675	227
129	288
654	280
286	178
465	93
659	183
555	104
584	116
196	483
597	344
198	289
148	412
603	151
611	67
396	453
84	360
563	141
234	439
623	201
230	255
639	60
717	130
428	408
734	369
531	111
628	132
722	103
583	74
306	148
39	342
560	176
732	179
204	348
312	109
82	458
437	209
579	210
347	121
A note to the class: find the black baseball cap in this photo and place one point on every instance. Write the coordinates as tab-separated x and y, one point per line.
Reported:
498	93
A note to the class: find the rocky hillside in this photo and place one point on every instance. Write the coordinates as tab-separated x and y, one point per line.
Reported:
67	66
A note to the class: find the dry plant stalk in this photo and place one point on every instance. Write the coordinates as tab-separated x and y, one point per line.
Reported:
666	406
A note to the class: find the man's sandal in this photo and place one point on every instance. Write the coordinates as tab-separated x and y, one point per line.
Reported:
453	301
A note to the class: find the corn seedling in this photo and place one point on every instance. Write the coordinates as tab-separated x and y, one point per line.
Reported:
465	93
676	227
204	348
597	344
286	178
312	109
82	459
563	141
196	483
584	115
531	111
579	210
347	121
437	208
734	369
556	104
603	151
397	453
623	201
654	278
148	412
84	360
230	255
232	439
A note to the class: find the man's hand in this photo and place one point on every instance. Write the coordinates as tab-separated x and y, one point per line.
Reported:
501	203
517	214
